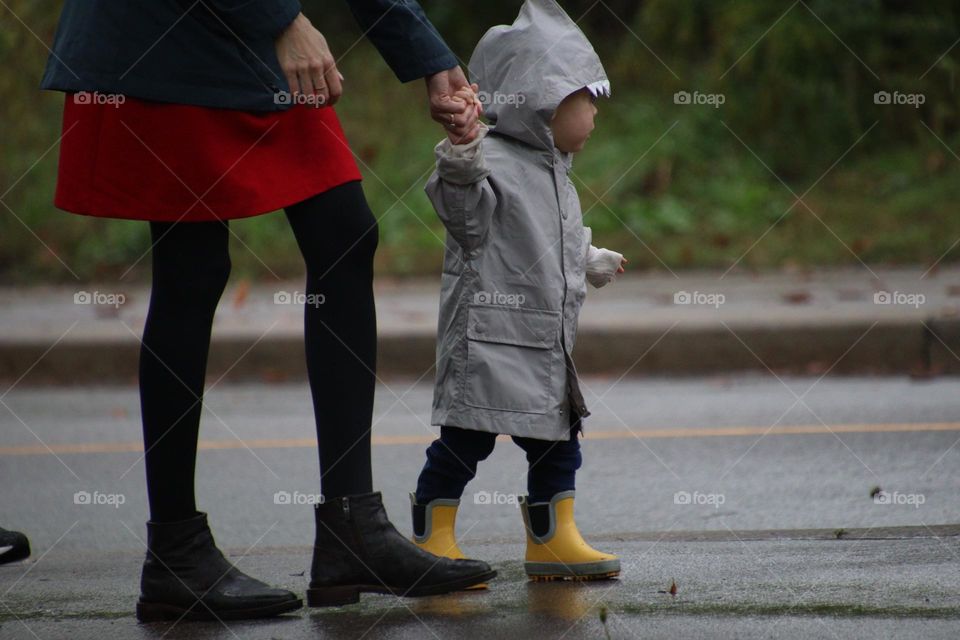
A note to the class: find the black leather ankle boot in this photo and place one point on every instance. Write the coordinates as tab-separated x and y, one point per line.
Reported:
358	550
13	546
186	576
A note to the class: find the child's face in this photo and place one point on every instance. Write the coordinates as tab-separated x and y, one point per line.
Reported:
573	121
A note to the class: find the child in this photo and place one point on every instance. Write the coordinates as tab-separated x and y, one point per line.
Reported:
516	257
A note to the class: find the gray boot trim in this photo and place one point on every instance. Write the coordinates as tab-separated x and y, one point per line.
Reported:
428	515
553	515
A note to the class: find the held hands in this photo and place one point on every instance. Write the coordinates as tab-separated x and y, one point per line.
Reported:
455	105
468	96
307	63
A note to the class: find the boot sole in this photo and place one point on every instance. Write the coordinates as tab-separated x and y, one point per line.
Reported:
350	594
549	571
573	578
158	611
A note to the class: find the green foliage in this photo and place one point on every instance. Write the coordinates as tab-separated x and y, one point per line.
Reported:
801	77
666	184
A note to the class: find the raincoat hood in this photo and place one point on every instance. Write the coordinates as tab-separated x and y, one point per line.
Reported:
526	69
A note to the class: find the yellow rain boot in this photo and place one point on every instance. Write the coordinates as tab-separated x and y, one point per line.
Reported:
555	548
433	528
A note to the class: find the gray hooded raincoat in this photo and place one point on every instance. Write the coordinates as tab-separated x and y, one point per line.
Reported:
513	273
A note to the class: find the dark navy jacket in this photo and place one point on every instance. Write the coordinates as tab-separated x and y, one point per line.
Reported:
216	53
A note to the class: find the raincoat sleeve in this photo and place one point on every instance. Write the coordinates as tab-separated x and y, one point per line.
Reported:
461	193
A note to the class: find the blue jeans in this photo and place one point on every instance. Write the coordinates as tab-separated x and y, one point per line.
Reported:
452	463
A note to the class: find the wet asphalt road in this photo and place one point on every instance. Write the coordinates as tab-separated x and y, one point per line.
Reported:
667	461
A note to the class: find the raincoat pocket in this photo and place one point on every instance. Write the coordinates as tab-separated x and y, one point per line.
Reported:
511	352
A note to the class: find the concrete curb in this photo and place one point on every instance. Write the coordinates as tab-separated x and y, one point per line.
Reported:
914	347
807	323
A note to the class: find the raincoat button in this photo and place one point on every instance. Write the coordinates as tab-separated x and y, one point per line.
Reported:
479	327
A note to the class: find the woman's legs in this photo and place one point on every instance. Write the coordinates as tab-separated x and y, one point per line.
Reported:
184	574
452	463
337	235
355	547
191	264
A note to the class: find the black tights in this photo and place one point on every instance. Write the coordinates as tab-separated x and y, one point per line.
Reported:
337	235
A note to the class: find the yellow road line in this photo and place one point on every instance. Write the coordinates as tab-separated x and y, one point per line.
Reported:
298	443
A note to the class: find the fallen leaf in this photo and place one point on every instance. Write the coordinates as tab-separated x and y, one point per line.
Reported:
241	293
672	590
797	297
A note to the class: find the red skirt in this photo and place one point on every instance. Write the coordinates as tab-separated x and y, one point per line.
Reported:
143	160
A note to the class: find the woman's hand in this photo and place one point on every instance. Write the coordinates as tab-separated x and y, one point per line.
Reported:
307	63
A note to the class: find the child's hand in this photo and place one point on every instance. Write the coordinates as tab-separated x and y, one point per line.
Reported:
468	96
602	265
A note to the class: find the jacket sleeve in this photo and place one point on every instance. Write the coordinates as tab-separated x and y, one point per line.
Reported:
460	192
404	36
257	18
